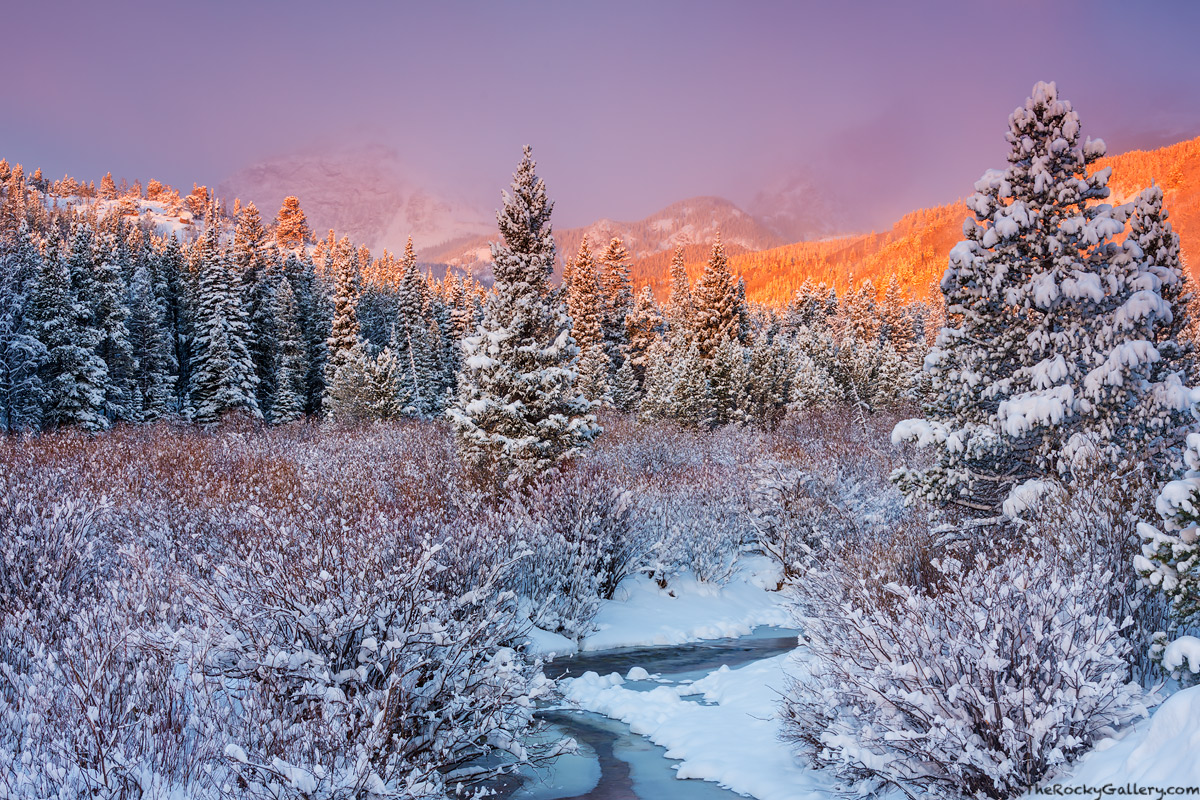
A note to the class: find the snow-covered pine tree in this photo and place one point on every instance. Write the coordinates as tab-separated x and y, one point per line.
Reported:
895	327
22	354
807	307
617	292
171	280
658	388
289	365
859	317
623	388
151	345
680	305
108	188
719	311
223	378
343	332
1170	559
643	325
377	303
518	412
419	374
693	403
73	374
1133	404
768	380
258	271
727	380
1038	320
299	271
352	388
589	318
444	351
106	293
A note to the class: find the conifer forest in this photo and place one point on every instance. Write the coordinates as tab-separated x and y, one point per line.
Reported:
317	484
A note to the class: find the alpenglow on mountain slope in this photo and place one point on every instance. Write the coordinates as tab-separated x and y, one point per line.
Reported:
691	222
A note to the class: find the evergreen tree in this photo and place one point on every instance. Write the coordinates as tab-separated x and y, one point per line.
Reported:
352	391
419	382
171	280
300	274
518	412
693	406
289	359
254	259
643	325
108	188
727	379
1132	403
680	306
22	353
860	319
589	311
895	326
720	312
343	333
223	377
660	384
617	293
623	390
106	292
768	381
151	346
291	225
74	375
1038	354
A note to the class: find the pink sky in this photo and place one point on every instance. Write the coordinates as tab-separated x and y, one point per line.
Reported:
629	105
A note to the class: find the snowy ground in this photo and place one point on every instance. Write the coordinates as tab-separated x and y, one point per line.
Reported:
1163	751
722	728
688	610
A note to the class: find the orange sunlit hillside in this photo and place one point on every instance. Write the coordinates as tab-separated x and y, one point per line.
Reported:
916	248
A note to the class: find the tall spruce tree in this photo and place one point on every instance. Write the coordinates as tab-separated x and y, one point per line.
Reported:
720	307
589	311
22	353
289	358
151	346
617	292
680	305
74	375
343	332
254	258
1047	325
518	412
223	378
643	325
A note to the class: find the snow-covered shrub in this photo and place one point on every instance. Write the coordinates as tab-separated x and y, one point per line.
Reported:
1095	519
795	513
1170	557
700	533
581	535
343	671
89	705
975	687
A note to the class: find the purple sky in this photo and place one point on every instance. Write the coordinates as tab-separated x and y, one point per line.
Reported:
629	105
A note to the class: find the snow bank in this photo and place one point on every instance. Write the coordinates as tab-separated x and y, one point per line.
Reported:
727	732
688	610
1160	751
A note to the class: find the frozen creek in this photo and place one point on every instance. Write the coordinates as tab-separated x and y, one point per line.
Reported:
613	762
